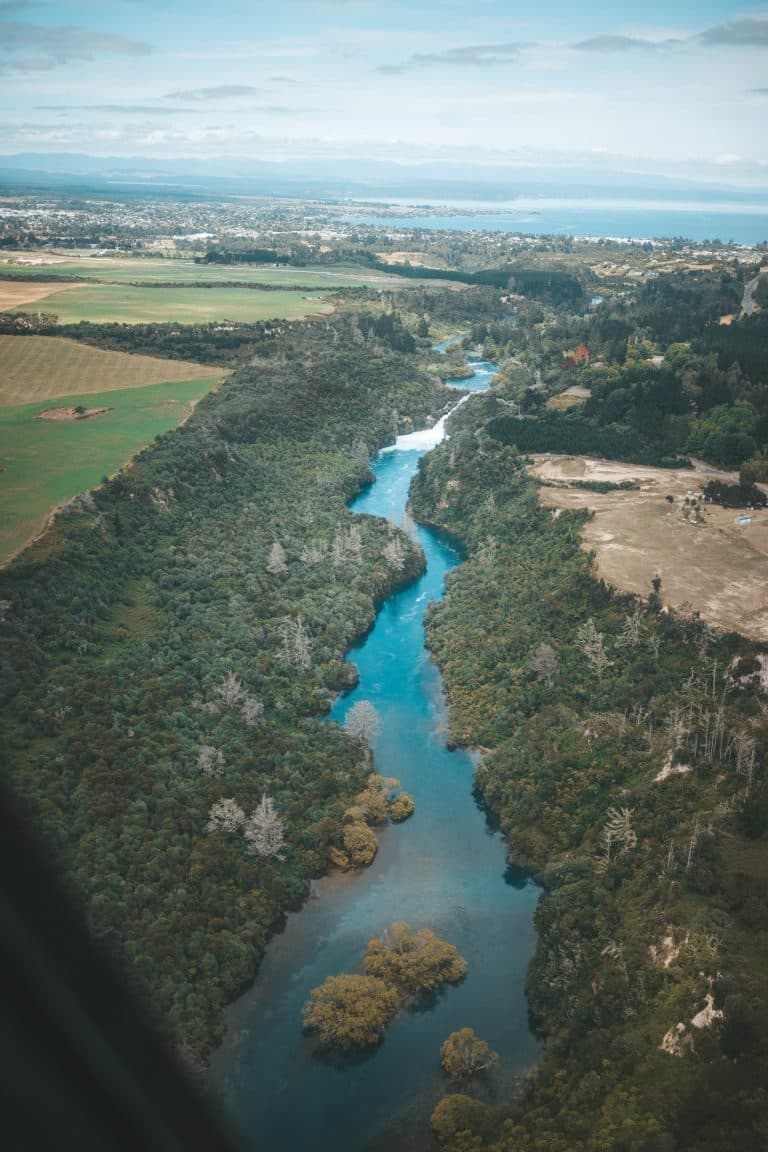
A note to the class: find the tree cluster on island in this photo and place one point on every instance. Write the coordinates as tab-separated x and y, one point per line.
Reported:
401	965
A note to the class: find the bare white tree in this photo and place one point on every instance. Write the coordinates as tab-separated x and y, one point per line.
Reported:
354	541
360	451
296	649
265	831
210	760
486	554
744	747
231	691
225	816
618	830
590	641
338	550
313	554
394	553
276	561
252	711
362	722
677	726
631	628
544	662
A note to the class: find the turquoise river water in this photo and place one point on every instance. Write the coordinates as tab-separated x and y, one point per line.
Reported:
444	869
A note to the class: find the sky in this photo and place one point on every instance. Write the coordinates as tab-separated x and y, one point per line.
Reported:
677	88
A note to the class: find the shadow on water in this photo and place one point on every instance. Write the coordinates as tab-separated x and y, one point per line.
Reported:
516	877
343	1061
444	870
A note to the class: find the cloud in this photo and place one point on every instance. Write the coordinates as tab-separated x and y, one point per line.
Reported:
143	109
617	43
49	47
217	92
471	56
759	91
749	32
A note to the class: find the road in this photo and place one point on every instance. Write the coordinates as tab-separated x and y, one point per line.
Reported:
747	303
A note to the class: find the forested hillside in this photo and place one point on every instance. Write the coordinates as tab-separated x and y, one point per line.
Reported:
623	759
170	644
659	377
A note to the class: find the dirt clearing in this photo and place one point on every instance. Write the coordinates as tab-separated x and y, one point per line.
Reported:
703	556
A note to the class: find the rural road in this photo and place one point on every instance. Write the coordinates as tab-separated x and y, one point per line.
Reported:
747	303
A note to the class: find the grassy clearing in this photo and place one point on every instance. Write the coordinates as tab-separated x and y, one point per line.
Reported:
571	398
46	462
716	566
40	367
107	303
125	270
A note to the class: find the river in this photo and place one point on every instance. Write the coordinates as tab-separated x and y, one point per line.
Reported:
444	869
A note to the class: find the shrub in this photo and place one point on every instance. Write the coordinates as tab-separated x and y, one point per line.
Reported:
350	1011
414	961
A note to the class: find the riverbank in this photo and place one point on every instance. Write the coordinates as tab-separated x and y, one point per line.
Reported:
647	829
165	642
444	870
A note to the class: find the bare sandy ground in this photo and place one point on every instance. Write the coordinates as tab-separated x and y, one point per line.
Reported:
14	293
71	413
718	567
414	258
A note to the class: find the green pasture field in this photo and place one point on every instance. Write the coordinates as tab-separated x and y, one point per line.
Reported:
125	270
38	367
108	303
44	462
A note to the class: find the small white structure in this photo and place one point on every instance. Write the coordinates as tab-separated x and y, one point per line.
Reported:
743	519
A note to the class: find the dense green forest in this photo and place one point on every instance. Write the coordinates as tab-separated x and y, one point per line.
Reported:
661	378
169	647
169	644
623	762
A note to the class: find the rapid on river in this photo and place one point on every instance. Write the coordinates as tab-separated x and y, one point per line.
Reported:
444	869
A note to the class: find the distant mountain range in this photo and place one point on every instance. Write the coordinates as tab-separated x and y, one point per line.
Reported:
342	179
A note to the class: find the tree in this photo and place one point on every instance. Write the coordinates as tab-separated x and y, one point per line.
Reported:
360	451
631	628
414	961
265	831
401	808
276	561
313	554
252	711
544	662
590	641
360	844
231	690
463	1054
618	830
296	651
394	553
210	760
362	722
225	816
372	804
350	1011
461	1117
